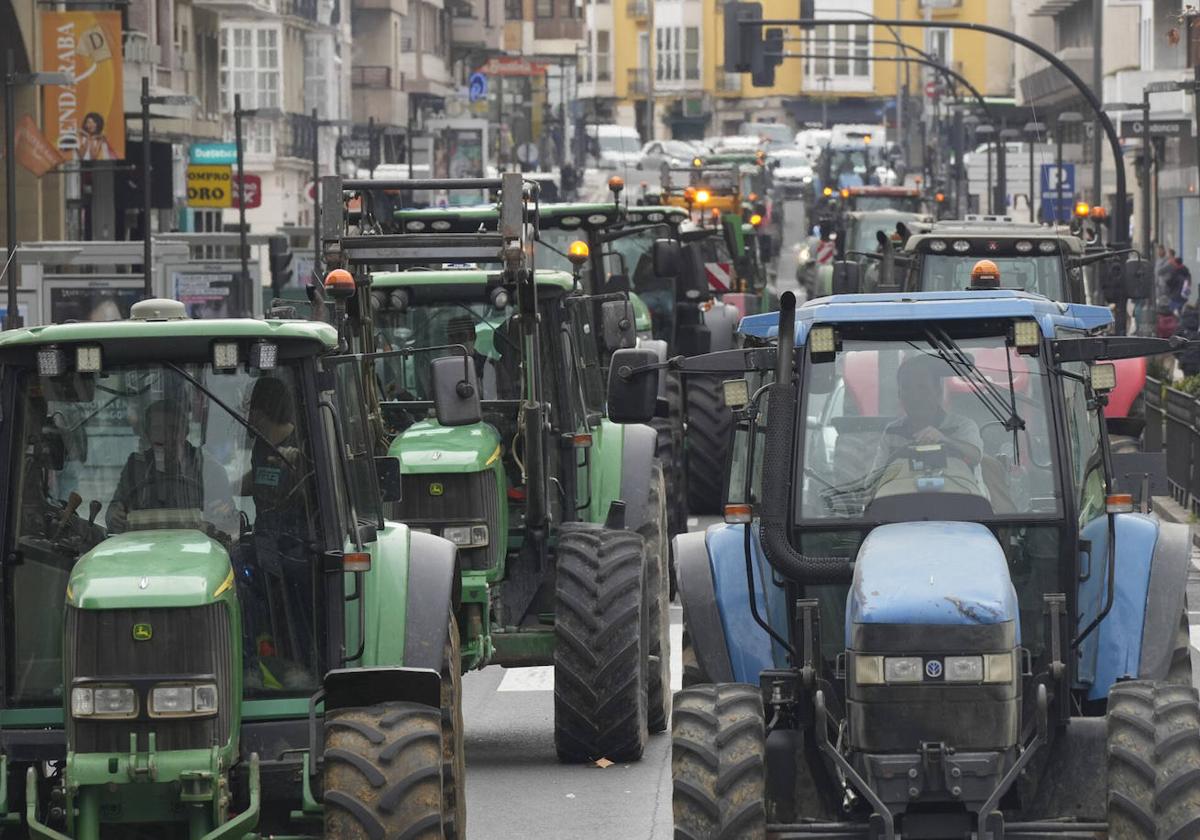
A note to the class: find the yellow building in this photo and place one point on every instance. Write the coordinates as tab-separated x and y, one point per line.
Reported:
840	74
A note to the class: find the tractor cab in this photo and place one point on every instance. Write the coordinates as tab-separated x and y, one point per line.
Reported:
198	565
930	584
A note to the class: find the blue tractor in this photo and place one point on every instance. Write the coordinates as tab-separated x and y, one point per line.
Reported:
928	614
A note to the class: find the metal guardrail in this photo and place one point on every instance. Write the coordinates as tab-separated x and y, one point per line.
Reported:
1173	426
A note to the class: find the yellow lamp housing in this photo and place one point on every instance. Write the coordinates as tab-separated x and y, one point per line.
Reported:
1083	209
845	192
578	252
616	183
703	196
828	191
755	219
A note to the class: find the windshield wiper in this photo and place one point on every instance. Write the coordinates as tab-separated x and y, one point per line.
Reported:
986	391
239	418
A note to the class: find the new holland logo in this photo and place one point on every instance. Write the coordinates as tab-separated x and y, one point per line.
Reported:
142	632
933	669
436	489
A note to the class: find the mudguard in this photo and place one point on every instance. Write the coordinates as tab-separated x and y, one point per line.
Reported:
701	617
358	687
749	649
434	589
722	321
1137	637
637	458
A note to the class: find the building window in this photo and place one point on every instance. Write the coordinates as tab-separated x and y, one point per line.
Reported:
250	66
838	52
544	8
262	137
603	73
937	44
513	10
668	60
691	53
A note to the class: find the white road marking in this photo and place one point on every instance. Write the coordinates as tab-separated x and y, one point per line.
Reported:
676	656
536	678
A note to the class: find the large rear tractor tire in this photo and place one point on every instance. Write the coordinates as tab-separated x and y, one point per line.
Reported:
383	773
1153	762
654	539
718	761
669	450
454	758
601	651
708	429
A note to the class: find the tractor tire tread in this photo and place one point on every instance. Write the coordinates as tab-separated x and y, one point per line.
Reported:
708	432
658	586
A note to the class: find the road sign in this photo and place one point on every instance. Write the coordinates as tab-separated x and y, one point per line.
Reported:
505	65
1053	179
252	185
933	90
213	153
355	147
209	186
1158	128
477	87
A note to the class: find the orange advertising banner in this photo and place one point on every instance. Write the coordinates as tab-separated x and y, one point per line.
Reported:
34	152
84	120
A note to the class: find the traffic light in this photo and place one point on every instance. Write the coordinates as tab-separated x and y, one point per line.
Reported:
808	10
766	58
741	42
280	252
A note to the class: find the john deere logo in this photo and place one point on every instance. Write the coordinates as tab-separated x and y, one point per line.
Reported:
436	489
142	632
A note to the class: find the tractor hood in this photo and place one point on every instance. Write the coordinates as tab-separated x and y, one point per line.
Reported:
926	574
152	568
427	447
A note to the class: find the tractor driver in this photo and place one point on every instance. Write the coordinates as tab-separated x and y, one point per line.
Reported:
925	421
171	474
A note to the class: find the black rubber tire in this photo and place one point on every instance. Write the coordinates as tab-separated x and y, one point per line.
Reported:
1153	762
670	450
693	674
718	763
383	773
1180	672
709	424
656	546
454	757
601	656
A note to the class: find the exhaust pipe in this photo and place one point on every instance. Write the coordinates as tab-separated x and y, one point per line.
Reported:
778	470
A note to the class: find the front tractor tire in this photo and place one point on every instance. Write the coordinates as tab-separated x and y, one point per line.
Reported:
383	773
718	763
1153	762
454	757
709	425
658	596
601	651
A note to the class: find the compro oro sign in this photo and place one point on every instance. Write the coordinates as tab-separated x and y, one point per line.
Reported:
209	186
85	119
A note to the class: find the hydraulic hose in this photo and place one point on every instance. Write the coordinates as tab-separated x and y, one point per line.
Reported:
778	470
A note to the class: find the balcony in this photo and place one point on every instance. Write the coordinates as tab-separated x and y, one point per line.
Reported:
638	82
473	32
371	76
296	134
637	9
240	9
561	29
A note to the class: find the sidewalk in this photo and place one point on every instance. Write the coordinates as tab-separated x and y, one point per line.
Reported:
1171	511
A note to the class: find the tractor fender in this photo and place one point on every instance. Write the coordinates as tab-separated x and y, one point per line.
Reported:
637	460
722	321
702	618
359	687
1164	598
1135	640
434	589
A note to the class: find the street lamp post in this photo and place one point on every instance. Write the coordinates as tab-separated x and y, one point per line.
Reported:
1033	130
962	200
147	242
12	80
1005	135
318	124
988	133
1064	119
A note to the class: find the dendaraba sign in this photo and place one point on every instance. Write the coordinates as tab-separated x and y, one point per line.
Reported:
84	120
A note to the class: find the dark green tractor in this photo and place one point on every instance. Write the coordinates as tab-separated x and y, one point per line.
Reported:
211	628
492	398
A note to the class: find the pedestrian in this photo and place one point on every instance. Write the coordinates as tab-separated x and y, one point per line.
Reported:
1189	328
1180	285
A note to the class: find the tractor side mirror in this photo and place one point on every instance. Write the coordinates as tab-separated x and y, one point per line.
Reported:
668	257
1137	277
632	397
617	324
455	391
847	277
387	469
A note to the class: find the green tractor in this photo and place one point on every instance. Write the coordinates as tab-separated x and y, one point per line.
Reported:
212	629
558	512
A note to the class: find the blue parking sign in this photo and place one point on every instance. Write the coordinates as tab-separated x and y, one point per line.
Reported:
1053	178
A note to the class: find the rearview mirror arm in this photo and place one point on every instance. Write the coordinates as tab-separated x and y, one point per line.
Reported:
722	361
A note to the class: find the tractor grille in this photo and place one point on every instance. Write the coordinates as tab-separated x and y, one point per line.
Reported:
186	642
464	498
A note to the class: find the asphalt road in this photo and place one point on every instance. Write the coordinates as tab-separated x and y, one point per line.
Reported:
517	788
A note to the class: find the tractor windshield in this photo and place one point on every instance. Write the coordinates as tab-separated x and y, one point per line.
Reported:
143	449
904	203
485	331
550	249
1042	275
910	429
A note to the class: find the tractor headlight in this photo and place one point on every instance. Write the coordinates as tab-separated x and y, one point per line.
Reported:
183	700
467	536
112	701
964	669
998	668
868	670
903	669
